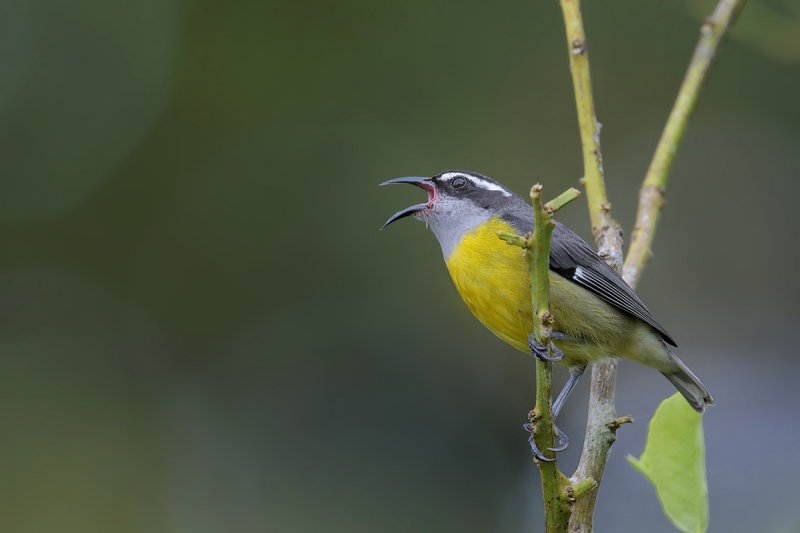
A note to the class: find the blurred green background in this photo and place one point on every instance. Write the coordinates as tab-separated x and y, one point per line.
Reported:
204	331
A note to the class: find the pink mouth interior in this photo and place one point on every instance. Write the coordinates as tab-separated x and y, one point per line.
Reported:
431	190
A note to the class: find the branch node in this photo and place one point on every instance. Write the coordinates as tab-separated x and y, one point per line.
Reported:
578	47
515	240
576	491
561	200
614	425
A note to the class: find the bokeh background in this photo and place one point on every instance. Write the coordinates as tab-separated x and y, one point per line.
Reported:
203	330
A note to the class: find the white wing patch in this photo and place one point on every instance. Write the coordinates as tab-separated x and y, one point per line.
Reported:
483	184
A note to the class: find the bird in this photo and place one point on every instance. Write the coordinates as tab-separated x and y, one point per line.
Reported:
596	314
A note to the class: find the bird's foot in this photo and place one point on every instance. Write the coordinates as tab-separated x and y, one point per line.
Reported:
563	443
537	453
541	352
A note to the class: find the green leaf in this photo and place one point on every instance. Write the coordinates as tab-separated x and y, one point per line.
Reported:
674	461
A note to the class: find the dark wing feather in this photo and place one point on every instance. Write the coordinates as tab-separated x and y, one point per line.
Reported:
575	260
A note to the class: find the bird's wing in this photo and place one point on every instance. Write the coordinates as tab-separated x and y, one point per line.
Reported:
575	260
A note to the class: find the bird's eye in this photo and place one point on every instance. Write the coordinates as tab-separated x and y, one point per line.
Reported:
459	182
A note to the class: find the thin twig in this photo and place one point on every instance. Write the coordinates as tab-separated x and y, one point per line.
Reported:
561	200
605	230
651	195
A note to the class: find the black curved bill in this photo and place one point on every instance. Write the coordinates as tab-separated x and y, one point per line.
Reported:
424	183
404	213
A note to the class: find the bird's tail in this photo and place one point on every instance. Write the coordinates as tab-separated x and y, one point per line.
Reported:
689	385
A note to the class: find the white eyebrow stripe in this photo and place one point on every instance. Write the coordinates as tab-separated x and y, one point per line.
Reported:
476	181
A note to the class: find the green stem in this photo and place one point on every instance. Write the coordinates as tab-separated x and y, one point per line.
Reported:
561	200
604	229
651	195
537	254
581	488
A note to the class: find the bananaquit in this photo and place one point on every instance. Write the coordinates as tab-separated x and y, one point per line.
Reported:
596	313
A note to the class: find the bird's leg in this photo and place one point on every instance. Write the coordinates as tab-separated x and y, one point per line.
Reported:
539	351
575	374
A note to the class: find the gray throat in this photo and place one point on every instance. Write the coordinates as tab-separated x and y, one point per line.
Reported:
450	227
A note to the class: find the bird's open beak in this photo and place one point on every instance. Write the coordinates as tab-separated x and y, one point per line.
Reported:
424	183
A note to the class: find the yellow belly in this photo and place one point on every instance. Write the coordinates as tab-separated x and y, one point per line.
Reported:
492	278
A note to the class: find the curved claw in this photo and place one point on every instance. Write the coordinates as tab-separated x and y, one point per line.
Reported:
535	449
537	453
540	352
563	440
